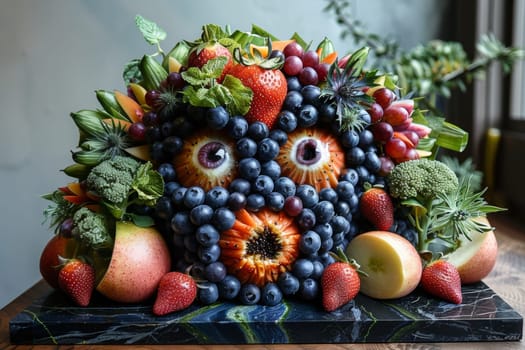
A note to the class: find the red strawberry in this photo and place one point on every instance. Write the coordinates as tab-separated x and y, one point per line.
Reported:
376	207
201	54
269	90
176	291
340	283
77	280
441	279
50	263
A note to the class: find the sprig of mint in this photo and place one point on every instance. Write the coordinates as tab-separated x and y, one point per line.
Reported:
205	91
151	32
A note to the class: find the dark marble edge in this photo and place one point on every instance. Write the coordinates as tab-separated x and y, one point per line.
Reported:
483	316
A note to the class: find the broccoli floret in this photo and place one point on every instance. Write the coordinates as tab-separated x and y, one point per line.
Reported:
112	179
92	229
421	179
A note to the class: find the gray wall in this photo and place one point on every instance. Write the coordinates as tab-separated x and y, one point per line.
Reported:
55	53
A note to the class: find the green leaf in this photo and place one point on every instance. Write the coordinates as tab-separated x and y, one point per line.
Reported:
141	220
241	96
263	33
205	75
151	32
131	73
198	96
148	184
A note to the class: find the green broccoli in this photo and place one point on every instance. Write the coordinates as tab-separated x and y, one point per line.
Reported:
123	181
92	229
112	178
421	179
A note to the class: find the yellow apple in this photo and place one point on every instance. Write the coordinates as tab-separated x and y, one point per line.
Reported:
391	262
475	258
139	260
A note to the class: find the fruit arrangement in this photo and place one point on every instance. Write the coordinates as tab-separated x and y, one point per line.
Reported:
240	167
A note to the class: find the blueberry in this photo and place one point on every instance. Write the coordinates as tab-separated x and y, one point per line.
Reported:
275	201
366	138
197	270
365	116
340	224
223	219
309	289
267	149
263	184
293	101
209	254
271	295
249	294
324	211
181	223
307	116
351	176
172	145
311	94
302	268
236	201
344	190
327	112
170	187
272	169
215	271
364	175
326	259
288	283
167	171
349	138
249	168
217	197
372	162
164	208
310	242
285	186
318	270
190	243
280	136
207	293
229	287
246	147
258	130
355	156
306	219
237	127
207	235
308	195
324	231
217	117
240	185
287	121
328	194
193	196
201	214
293	83
255	202
326	245
177	197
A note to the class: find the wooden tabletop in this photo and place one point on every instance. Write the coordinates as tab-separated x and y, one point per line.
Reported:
507	280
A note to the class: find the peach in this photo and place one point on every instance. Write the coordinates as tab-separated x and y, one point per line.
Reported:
475	258
392	264
139	260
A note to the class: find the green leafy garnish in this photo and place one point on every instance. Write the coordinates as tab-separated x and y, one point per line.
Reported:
152	33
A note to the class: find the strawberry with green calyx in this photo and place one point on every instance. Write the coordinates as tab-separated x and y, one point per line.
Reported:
268	84
176	292
376	206
77	279
214	43
340	282
441	279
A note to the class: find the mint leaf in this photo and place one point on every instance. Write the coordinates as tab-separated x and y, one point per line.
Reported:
213	32
199	97
194	76
241	96
204	76
151	32
131	73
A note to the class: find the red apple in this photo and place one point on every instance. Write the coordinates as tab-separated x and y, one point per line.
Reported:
139	260
49	261
475	258
391	263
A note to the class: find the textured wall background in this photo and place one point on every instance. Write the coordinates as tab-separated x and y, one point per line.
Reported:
55	53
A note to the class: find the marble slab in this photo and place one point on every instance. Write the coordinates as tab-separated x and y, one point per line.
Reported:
483	316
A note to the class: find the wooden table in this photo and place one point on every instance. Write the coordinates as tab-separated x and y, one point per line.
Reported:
507	280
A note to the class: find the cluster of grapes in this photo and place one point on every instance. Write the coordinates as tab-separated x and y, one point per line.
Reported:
393	128
305	65
193	218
